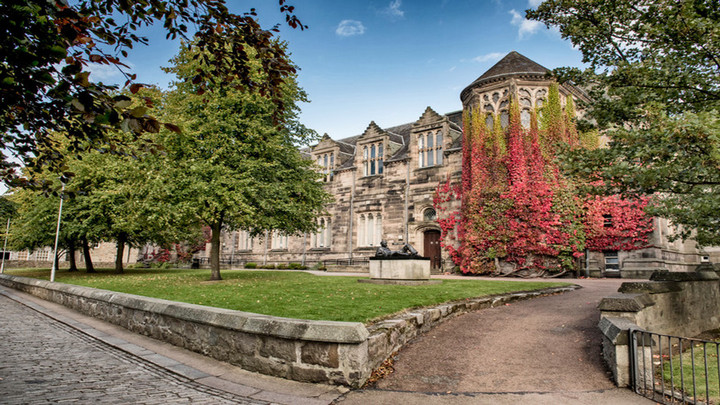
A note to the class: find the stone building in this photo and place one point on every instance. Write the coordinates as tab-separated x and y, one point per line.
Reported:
384	179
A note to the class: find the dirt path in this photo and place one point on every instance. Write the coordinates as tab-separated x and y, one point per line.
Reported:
548	344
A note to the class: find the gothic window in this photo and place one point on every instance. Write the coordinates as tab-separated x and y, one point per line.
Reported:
279	241
244	241
504	119
429	214
327	164
525	117
373	159
366	162
430	149
321	239
369	229
439	147
489	121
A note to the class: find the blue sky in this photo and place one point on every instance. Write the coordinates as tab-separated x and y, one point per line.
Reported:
386	60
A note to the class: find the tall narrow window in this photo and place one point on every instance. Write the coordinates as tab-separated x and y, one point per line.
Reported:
366	164
439	147
430	149
361	231
332	166
377	235
373	159
369	230
380	158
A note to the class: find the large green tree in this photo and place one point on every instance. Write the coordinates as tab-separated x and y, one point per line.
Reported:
654	69
236	163
46	47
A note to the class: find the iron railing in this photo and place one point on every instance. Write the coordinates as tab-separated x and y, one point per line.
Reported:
675	370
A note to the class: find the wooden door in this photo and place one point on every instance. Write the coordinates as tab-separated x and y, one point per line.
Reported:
432	248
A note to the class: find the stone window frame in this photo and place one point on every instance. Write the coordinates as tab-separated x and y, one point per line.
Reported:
244	242
369	229
41	255
372	158
278	241
430	147
427	217
322	239
326	161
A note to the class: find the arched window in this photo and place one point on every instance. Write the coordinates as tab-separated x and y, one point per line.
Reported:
373	159
430	149
439	147
380	158
366	172
369	225
361	230
429	214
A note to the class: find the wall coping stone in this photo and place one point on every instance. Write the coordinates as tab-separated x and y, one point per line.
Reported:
615	329
626	302
650	287
666	275
299	329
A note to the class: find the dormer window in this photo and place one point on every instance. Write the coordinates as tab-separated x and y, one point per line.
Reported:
430	149
327	163
373	159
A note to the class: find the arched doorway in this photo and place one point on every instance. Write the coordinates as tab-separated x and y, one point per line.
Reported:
431	245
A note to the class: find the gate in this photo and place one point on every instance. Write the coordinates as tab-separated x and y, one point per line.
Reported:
674	370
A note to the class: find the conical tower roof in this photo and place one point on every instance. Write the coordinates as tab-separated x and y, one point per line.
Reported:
513	64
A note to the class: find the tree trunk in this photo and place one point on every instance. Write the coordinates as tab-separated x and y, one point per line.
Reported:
88	259
121	239
71	248
215	251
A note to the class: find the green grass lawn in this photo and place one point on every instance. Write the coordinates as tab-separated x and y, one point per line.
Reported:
285	293
687	374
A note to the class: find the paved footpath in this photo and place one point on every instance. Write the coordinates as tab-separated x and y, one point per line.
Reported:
540	351
50	354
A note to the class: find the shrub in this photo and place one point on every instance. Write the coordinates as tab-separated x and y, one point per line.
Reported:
296	266
251	265
282	266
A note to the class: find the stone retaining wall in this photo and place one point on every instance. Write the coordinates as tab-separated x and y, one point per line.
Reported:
672	303
311	351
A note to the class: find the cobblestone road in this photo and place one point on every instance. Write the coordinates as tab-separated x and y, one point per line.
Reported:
44	361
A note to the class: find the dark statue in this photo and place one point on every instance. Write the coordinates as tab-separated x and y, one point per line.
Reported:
407	251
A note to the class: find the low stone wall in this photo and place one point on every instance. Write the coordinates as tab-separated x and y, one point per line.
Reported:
342	353
671	303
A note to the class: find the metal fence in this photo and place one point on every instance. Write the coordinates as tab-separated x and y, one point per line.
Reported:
675	370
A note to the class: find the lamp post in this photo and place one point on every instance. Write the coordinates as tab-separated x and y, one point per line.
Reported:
7	231
57	235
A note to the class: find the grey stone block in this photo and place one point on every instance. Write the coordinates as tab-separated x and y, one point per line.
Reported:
626	302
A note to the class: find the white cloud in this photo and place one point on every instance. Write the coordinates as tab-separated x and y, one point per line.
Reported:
107	73
493	56
393	9
534	3
348	28
525	27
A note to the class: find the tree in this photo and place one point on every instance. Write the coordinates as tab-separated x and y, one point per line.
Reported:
653	77
236	164
45	84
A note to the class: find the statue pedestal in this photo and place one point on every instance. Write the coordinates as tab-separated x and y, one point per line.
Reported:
403	271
